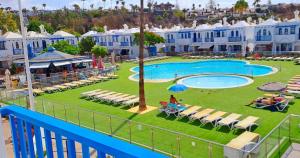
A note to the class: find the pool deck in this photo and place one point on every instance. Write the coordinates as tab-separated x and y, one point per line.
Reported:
292	152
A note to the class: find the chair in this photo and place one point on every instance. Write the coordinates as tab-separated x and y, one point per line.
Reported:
247	123
201	114
190	111
229	121
213	118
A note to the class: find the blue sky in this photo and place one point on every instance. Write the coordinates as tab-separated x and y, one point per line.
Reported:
54	4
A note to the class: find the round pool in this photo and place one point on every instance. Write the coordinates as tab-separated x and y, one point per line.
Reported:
215	81
168	71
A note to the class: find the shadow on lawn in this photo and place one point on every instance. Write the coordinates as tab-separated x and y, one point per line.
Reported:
124	123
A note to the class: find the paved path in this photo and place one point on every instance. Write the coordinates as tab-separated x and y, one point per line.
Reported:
292	152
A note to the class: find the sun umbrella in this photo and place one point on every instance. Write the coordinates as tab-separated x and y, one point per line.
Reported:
8	83
177	88
272	87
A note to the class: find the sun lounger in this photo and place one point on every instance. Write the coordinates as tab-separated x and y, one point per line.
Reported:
112	76
60	87
190	111
293	85
294	88
132	102
51	89
230	120
123	99
85	94
100	96
37	92
93	95
247	123
241	145
290	98
213	118
71	85
111	99
201	114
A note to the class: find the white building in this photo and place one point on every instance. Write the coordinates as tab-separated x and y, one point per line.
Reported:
63	36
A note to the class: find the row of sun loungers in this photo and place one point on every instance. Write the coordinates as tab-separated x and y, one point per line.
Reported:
272	58
208	115
111	97
149	59
293	86
203	57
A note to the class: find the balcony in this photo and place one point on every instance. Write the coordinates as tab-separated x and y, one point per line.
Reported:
264	38
26	123
234	39
37	50
124	44
171	41
102	43
197	40
209	40
17	51
110	43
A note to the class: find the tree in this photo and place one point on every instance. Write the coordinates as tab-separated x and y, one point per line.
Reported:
240	6
34	25
34	9
98	29
142	99
7	21
92	6
86	44
44	6
211	4
151	39
256	2
104	1
66	47
99	51
76	7
150	5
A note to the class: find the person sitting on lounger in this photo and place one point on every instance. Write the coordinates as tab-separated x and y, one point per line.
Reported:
173	100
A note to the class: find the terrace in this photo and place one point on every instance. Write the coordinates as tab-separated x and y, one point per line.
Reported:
156	131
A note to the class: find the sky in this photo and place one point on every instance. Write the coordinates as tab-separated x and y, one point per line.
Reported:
55	4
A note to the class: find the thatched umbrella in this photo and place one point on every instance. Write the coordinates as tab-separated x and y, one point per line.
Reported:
272	87
113	61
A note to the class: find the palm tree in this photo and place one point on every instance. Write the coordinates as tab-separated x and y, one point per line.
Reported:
256	2
123	3
83	4
76	7
193	6
34	9
104	2
44	6
142	105
241	6
92	6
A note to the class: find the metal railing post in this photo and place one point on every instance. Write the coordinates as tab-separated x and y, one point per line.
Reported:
2	140
110	126
266	148
129	124
94	124
78	116
279	139
290	128
178	145
65	113
152	138
209	150
43	108
53	110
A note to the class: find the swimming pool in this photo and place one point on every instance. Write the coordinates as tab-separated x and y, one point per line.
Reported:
168	71
215	81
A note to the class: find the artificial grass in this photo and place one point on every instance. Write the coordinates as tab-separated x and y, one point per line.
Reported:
229	100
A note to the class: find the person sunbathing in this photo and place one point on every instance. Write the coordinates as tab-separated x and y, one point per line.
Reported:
173	100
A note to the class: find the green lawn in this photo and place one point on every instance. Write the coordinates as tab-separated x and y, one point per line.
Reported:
229	100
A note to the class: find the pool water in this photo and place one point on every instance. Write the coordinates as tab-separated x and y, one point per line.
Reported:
170	71
215	81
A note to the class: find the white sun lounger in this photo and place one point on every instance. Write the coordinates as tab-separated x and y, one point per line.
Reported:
213	118
123	99
108	97
92	95
247	123
111	98
100	96
132	102
84	94
201	114
230	120
188	112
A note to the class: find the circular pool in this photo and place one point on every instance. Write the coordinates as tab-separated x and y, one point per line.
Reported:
215	81
164	72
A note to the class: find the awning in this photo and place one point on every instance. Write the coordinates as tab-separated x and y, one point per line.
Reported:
87	60
205	46
61	63
39	65
81	61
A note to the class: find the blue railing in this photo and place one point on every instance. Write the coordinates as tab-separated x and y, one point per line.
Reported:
17	51
234	39
264	38
102	43
124	44
110	43
171	40
26	123
197	40
209	40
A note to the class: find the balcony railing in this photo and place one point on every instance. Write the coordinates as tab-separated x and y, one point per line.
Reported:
171	40
124	44
197	40
234	39
27	127
209	40
17	51
102	43
110	43
264	38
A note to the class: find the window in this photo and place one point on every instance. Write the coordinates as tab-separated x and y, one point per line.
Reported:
33	44
264	32
269	33
280	31
182	36
293	30
236	33
17	45
199	35
223	34
211	34
259	33
232	33
286	31
2	45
